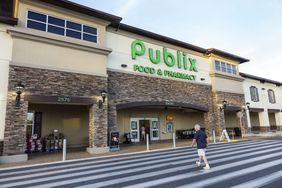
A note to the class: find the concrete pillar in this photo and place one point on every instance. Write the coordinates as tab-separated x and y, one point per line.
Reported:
278	118
5	58
98	129
264	121
248	119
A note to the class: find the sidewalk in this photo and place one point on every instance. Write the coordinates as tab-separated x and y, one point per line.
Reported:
39	158
266	135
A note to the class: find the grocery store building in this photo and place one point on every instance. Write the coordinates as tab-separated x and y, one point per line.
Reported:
80	71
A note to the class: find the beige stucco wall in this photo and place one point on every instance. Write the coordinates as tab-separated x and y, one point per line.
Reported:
228	85
5	58
230	119
224	81
72	121
55	57
40	49
24	6
183	120
272	120
254	119
120	43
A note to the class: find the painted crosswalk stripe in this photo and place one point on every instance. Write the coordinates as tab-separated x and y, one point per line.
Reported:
237	173
185	175
211	151
146	157
263	149
115	173
262	181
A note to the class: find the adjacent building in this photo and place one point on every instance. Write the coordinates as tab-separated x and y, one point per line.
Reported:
82	72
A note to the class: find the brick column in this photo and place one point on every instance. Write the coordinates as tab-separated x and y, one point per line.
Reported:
98	129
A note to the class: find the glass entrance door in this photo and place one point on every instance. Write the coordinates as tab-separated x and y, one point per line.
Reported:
134	129
154	123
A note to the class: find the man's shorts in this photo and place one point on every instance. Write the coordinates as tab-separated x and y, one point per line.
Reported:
202	152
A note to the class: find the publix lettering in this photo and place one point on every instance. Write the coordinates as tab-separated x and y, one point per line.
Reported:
181	61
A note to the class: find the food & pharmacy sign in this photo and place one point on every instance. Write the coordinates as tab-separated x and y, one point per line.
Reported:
180	60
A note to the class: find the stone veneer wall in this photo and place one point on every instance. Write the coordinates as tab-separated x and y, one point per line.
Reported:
98	126
45	82
233	99
1	147
125	88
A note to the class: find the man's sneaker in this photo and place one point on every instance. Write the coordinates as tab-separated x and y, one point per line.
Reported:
198	163
207	167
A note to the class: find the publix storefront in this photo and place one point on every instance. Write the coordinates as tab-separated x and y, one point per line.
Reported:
157	89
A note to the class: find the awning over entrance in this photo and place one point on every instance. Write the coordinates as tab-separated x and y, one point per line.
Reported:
162	103
256	109
273	110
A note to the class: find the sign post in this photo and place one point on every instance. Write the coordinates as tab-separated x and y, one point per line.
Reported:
224	133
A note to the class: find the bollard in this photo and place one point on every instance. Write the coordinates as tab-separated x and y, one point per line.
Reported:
213	133
64	149
173	138
147	141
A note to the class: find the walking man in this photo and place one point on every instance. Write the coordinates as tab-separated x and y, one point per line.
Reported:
201	139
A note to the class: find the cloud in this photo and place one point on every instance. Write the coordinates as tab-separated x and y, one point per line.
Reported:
128	6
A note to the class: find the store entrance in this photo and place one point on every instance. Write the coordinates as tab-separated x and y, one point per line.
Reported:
144	129
139	127
48	124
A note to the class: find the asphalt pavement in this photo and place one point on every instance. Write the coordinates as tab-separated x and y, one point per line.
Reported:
255	163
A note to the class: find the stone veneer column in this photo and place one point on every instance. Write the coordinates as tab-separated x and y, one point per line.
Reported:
98	129
112	117
242	122
219	122
15	129
208	123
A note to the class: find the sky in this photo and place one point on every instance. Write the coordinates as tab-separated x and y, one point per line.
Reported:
248	28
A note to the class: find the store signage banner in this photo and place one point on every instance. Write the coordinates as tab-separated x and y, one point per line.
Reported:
180	60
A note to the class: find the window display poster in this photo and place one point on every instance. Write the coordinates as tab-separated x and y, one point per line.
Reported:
169	127
114	141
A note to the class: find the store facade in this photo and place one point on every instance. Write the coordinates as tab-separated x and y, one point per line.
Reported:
82	73
264	97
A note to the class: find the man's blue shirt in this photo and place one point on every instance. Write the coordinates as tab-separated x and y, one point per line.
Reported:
201	139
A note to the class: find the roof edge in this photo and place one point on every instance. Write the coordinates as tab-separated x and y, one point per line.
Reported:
226	54
115	20
8	20
169	40
159	37
245	75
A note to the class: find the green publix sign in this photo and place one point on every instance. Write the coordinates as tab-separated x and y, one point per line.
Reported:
181	61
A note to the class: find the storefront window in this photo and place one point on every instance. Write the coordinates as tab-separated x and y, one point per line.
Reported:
133	125
225	67
29	124
60	26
